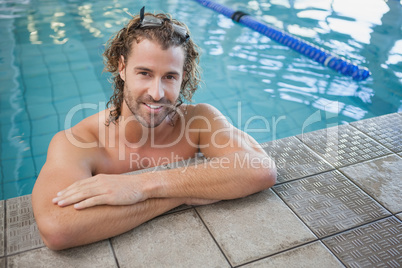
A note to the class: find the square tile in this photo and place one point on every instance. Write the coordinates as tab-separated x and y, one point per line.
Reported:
294	159
329	203
2	210
61	78
38	84
311	255
46	125
378	244
343	145
18	168
12	190
386	129
38	111
21	231
94	255
69	105
174	240
40	145
381	178
17	146
64	91
254	227
91	86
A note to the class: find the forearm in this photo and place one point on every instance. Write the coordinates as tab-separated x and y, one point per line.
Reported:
67	227
232	176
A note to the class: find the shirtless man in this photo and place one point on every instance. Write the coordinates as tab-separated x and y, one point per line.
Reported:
82	194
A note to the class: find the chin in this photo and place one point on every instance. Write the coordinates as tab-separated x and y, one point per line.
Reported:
148	123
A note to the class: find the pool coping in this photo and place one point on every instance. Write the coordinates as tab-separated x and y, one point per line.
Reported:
336	203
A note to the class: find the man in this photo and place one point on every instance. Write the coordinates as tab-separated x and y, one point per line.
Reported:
78	197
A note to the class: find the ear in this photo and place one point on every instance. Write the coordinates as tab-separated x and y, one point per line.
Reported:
122	67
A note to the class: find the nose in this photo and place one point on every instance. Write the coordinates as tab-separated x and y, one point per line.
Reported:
156	91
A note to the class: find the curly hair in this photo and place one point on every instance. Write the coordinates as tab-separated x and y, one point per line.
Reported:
165	35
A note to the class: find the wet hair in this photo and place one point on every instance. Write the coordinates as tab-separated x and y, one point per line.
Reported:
165	35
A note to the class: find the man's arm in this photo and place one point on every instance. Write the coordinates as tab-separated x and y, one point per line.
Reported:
65	227
237	167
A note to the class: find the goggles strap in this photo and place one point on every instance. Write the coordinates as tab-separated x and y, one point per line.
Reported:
142	12
142	16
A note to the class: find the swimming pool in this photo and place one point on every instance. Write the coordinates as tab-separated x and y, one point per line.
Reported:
50	62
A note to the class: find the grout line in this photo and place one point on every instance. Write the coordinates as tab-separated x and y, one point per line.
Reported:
364	191
368	160
318	240
374	138
354	228
210	233
280	252
296	214
51	87
333	253
114	253
24	251
347	165
304	177
75	81
24	90
5	230
173	211
357	226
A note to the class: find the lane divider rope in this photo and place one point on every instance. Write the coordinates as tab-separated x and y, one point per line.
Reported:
320	55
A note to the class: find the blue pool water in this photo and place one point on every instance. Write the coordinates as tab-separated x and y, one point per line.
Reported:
50	62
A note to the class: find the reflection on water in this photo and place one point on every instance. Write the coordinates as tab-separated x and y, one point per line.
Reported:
337	26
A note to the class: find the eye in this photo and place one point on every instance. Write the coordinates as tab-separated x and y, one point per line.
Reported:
143	73
170	77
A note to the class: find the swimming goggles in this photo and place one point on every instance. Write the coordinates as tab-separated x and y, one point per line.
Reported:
152	22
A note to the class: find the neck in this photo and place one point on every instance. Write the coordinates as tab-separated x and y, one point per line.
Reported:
132	132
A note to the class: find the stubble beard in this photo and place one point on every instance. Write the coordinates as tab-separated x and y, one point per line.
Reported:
145	118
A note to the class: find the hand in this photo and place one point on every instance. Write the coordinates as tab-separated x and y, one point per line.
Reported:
199	201
101	189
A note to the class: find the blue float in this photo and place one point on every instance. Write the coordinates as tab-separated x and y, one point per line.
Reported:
308	49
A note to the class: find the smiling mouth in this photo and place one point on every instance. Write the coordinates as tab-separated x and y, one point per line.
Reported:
153	107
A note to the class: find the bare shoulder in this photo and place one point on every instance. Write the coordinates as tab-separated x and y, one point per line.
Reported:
205	109
203	113
86	133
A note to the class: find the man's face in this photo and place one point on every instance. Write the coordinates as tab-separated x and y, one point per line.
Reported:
152	79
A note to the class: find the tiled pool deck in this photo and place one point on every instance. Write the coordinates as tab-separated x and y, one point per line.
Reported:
337	202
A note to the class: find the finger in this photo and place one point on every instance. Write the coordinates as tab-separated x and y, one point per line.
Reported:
66	194
80	196
91	202
79	186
